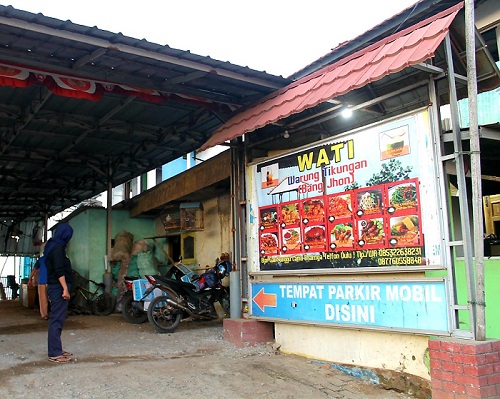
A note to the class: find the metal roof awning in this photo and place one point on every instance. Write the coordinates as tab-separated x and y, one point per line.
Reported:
408	47
83	109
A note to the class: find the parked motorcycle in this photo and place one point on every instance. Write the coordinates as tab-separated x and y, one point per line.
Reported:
188	301
134	311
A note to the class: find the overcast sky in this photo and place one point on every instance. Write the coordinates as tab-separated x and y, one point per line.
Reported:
277	36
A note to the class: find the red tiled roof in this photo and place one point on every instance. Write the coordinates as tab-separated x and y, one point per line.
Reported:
392	54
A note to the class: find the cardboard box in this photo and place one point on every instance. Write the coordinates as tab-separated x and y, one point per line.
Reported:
139	289
28	296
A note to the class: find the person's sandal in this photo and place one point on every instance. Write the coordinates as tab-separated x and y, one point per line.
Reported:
66	354
59	359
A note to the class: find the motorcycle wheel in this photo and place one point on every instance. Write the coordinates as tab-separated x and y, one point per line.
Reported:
104	304
162	316
131	313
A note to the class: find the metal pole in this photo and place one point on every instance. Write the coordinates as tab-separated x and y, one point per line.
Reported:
475	158
46	229
109	205
108	278
442	190
108	223
234	277
462	192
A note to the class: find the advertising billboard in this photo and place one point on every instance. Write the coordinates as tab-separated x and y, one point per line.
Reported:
363	199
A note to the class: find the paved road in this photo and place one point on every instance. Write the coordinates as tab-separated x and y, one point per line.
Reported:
115	359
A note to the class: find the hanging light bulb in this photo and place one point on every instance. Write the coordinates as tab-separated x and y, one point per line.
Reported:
346	112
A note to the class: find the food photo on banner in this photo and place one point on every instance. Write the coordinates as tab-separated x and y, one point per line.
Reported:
363	199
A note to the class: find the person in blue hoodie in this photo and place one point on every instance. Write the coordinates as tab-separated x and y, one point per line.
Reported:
59	280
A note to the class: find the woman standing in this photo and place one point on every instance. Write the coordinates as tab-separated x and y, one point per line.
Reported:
59	280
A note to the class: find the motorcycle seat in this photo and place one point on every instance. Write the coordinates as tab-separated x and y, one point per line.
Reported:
173	282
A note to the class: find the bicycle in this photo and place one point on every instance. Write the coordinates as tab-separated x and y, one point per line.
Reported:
100	304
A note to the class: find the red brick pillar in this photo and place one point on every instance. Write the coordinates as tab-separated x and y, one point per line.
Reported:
462	369
245	332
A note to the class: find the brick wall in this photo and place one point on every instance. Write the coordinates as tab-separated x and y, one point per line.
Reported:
463	369
244	332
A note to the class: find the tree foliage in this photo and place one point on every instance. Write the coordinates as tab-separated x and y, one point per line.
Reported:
390	172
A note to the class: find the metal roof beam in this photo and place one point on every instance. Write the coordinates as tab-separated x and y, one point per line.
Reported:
31	110
119	77
484	133
99	171
103	119
440	72
89	58
184	78
379	105
44	156
191	120
484	49
429	68
105	44
365	104
112	126
116	109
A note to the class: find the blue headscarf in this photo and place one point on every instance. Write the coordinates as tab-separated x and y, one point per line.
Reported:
63	234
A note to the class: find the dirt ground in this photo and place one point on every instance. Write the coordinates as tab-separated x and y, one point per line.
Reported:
115	359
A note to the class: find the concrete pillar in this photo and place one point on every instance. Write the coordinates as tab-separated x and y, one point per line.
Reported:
235	294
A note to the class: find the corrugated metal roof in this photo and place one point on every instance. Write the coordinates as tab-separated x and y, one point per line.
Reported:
392	54
59	149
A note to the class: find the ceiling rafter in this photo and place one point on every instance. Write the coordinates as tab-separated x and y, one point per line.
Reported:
192	119
29	111
94	55
103	124
173	82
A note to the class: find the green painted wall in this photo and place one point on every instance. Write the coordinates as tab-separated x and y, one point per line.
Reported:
487	107
88	245
492	295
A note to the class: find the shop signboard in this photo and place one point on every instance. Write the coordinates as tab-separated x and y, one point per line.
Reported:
412	306
363	199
